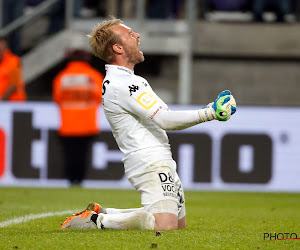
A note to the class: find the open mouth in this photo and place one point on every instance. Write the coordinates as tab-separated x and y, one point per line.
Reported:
139	48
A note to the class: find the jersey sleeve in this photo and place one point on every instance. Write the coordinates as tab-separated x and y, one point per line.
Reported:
144	103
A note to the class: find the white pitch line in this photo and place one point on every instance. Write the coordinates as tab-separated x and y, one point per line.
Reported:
30	217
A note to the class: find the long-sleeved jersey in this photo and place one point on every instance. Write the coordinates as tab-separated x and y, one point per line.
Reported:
139	118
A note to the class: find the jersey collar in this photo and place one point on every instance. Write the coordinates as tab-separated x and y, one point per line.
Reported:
118	69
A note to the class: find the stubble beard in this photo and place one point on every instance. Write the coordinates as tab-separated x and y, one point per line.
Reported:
134	57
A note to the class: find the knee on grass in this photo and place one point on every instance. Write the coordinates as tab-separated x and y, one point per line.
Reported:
166	221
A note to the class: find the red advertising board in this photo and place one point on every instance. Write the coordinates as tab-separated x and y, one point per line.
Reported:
2	153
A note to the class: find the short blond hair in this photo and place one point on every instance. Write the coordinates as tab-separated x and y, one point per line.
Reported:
103	38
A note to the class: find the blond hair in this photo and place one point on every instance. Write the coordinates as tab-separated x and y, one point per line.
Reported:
103	38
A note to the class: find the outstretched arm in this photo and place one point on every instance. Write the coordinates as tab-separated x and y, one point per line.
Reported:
221	109
147	105
176	120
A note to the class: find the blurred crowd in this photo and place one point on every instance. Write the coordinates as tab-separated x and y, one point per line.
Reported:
167	9
257	8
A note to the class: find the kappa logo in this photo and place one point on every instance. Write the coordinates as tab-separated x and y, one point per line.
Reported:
146	100
133	88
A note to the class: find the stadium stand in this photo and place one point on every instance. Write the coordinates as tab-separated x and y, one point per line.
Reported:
220	47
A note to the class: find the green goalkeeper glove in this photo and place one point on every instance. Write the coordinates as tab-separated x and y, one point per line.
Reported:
224	106
221	109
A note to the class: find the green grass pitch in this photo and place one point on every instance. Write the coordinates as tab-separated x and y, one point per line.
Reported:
215	220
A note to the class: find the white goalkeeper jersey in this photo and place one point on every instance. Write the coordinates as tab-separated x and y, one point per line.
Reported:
130	105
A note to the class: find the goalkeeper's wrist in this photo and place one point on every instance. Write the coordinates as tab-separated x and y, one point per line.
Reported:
207	114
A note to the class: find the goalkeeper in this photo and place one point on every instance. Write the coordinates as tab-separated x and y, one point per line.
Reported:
139	118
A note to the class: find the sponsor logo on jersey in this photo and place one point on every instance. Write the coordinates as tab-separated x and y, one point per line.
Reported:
146	100
155	112
167	184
